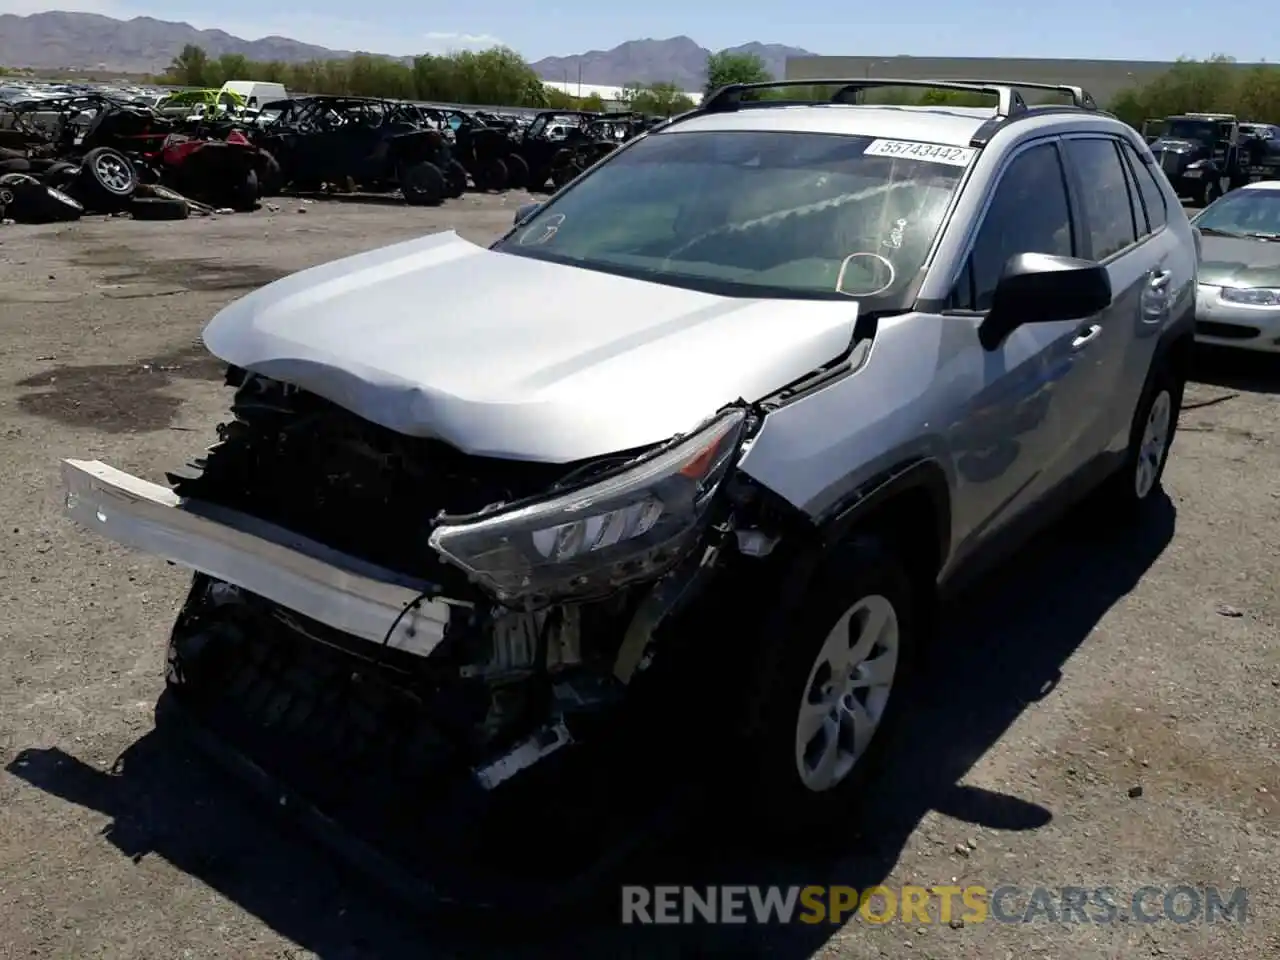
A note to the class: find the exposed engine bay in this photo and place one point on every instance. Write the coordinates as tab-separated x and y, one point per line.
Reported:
511	683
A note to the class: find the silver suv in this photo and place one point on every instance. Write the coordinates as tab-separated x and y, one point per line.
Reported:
689	455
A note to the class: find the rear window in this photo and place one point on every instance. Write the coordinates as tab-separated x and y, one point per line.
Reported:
750	213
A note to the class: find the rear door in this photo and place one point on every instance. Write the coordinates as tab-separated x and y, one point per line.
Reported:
1112	349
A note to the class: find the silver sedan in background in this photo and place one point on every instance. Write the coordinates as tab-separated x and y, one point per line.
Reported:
1238	299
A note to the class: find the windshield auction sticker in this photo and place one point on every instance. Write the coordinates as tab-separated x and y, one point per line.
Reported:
928	152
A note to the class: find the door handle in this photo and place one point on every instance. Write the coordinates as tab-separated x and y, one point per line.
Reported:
1085	335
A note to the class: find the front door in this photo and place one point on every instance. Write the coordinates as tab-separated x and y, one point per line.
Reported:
1008	440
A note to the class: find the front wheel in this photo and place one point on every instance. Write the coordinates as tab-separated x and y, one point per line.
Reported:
1211	191
829	689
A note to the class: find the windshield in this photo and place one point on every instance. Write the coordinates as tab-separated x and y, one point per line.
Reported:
759	214
1183	129
1243	213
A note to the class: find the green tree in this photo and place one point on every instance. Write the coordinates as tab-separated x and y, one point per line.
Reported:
1215	85
658	99
727	67
189	67
497	77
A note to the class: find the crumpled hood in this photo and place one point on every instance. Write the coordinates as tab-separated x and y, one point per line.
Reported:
1232	262
507	356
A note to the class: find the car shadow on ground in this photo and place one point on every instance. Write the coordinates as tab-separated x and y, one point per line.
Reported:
1003	650
1236	369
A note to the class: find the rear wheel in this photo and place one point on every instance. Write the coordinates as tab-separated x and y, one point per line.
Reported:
492	175
422	184
244	194
456	179
517	171
1138	482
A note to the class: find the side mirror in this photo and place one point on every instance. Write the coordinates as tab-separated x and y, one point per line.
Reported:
1042	288
525	211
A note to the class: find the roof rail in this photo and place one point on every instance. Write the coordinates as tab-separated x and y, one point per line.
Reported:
729	98
1081	98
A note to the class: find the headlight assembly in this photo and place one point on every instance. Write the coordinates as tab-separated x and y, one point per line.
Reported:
1252	296
629	526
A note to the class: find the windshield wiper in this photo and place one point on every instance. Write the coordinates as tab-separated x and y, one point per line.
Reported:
1262	236
1215	232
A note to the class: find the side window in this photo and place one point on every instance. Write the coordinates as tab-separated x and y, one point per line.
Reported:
1136	209
1028	214
1152	196
1104	195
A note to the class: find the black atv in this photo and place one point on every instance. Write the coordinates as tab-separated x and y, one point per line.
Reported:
350	142
549	133
484	149
586	145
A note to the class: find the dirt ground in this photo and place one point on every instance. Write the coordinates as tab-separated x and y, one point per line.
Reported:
1105	713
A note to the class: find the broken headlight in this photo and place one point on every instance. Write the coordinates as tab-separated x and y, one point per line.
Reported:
629	526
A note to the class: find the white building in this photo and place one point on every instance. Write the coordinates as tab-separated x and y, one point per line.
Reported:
612	96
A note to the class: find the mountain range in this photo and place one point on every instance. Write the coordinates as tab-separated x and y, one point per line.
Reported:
91	41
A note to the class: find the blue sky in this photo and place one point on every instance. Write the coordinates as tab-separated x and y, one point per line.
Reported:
1137	30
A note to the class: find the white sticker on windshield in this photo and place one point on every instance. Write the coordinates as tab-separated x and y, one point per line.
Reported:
928	152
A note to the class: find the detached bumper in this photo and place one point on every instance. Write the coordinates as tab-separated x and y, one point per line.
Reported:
335	589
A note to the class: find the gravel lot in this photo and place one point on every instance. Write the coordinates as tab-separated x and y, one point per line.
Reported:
1099	665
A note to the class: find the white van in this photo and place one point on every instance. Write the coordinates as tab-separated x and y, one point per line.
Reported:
255	92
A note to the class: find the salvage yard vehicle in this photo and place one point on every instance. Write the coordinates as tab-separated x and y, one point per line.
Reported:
591	142
377	144
1200	154
479	150
1260	144
99	148
1238	298
543	138
852	355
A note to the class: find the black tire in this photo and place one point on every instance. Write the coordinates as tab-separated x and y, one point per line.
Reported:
422	184
455	179
1210	191
1122	497
60	174
158	208
517	171
564	173
270	175
781	804
537	179
107	180
9	179
243	196
17	165
492	175
33	202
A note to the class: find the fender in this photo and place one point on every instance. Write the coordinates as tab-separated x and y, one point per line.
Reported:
908	477
836	525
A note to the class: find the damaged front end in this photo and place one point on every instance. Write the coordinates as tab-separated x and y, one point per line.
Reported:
365	600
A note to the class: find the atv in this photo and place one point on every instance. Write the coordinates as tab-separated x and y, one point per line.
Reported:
320	141
484	151
542	139
587	144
